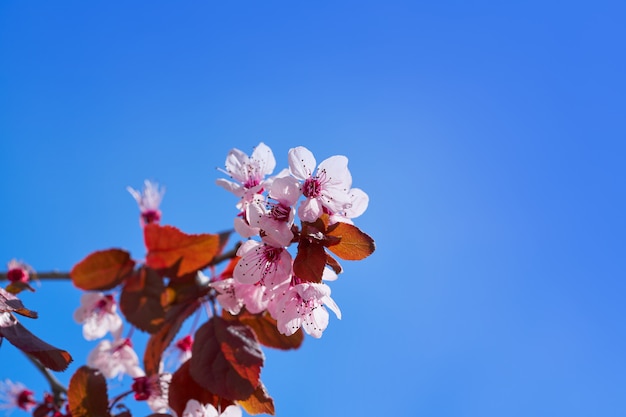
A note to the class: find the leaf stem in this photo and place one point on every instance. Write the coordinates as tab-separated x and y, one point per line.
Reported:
118	398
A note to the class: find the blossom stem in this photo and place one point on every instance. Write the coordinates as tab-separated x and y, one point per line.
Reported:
58	390
225	256
118	398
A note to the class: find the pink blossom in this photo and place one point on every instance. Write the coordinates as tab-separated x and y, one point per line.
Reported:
179	352
98	314
154	390
357	206
149	201
327	189
115	359
276	216
18	271
264	263
15	395
195	409
227	296
248	172
302	305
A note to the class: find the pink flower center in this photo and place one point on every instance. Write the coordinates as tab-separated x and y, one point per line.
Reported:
312	187
280	212
252	182
271	255
142	388
25	399
151	216
122	345
185	343
17	275
105	304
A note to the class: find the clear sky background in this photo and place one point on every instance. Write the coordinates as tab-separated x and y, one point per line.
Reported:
490	137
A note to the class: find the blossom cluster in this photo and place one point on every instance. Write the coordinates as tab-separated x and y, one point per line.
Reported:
269	207
292	223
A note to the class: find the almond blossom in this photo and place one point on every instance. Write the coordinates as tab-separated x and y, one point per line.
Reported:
98	314
264	263
18	271
357	206
149	201
195	409
178	353
15	395
115	359
327	189
154	390
248	172
276	216
227	296
302	305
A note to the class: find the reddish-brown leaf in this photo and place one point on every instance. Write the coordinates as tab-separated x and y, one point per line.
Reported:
160	340
140	300
259	402
310	261
354	245
21	338
183	388
267	333
332	262
9	303
226	359
19	286
102	270
169	247
87	394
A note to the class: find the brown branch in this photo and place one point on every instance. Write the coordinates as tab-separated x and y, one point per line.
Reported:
225	256
42	275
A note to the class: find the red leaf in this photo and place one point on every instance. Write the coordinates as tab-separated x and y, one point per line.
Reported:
354	245
21	338
87	394
267	333
183	388
226	359
140	300
19	286
259	402
169	247
332	262
160	340
310	261
9	303
102	270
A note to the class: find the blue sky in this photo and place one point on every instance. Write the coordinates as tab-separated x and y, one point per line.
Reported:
489	136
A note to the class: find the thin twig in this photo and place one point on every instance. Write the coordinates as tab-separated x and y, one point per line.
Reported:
225	256
58	390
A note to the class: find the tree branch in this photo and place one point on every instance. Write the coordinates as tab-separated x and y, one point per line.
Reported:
42	275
